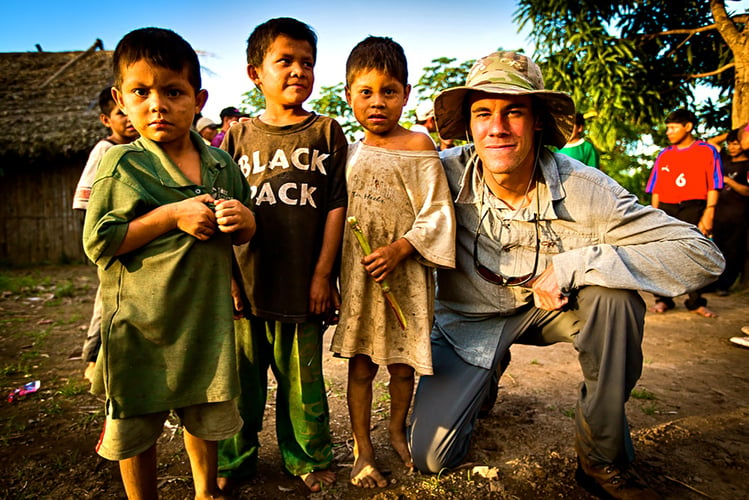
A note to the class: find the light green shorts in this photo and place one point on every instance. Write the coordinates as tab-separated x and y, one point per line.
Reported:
124	438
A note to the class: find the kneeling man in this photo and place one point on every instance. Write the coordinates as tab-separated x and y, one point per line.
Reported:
548	250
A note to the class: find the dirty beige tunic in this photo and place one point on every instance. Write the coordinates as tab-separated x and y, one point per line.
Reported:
394	194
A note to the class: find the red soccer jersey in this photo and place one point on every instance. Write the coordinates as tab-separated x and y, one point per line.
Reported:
686	174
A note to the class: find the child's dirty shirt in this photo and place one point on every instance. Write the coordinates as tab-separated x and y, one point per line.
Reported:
394	194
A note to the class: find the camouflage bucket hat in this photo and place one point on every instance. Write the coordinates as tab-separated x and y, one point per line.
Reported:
506	73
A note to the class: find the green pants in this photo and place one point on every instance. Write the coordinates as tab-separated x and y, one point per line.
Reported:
294	353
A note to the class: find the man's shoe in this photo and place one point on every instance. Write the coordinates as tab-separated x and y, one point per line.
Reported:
610	482
742	341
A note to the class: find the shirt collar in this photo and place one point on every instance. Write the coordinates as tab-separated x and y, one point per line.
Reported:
209	158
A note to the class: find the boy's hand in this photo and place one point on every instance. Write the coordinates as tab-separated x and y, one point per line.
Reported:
233	217
236	297
381	262
194	217
320	294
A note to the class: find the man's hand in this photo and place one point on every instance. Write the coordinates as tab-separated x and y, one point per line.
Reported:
546	292
194	217
706	222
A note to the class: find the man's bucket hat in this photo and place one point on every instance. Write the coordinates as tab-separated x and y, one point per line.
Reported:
506	73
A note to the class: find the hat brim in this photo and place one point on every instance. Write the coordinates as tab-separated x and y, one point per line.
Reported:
449	112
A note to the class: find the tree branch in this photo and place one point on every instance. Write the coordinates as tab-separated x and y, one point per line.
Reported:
743	18
709	73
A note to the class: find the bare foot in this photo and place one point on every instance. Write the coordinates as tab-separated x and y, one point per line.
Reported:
89	373
705	312
315	480
659	307
400	445
364	474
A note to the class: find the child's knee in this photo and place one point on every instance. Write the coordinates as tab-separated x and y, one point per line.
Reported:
400	372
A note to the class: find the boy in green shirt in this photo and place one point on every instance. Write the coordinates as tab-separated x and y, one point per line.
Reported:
162	217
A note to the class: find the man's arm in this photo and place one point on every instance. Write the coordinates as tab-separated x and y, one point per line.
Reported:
640	249
742	189
706	221
322	290
717	140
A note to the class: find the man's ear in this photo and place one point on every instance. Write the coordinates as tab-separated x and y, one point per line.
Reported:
689	126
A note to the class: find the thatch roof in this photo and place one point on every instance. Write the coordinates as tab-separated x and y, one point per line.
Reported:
49	103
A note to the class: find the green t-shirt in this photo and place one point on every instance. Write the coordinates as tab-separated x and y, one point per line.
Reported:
582	151
167	326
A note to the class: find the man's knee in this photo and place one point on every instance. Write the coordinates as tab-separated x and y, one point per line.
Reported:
613	298
427	450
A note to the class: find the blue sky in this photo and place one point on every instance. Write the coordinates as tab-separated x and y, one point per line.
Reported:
219	30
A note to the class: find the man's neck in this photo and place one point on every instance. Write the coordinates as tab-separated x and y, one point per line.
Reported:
514	189
685	142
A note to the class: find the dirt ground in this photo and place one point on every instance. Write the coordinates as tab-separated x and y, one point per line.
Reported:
689	414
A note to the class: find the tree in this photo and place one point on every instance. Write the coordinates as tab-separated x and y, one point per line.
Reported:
627	63
333	103
253	102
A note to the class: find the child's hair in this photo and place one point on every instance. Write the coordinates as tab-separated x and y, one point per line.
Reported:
733	135
263	36
106	101
159	47
681	116
378	53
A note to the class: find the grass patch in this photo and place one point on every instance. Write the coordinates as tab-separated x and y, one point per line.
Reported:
21	367
642	394
650	409
23	284
73	388
64	288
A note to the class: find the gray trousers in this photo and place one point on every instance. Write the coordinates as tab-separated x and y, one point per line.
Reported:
606	328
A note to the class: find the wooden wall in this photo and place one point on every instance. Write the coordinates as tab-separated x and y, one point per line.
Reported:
37	223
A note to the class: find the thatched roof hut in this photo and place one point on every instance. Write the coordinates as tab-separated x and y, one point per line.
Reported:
49	115
48	103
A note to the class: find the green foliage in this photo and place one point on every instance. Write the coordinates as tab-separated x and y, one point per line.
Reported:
642	394
253	102
332	102
625	74
441	74
623	59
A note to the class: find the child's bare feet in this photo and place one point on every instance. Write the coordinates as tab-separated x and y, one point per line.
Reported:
315	480
226	484
364	474
659	307
705	312
400	445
